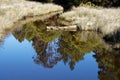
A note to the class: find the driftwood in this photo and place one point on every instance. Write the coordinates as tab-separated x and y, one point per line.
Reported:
62	28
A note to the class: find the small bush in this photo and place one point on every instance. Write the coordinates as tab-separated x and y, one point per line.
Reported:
88	4
67	4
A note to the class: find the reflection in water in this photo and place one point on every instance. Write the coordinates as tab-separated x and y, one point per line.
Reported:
109	64
113	40
50	55
70	47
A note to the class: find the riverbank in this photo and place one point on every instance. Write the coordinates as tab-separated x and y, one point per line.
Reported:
16	12
105	20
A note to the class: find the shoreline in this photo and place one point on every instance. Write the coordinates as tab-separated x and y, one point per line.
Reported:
105	20
13	15
24	11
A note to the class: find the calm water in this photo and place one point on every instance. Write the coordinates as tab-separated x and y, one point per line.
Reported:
31	53
17	63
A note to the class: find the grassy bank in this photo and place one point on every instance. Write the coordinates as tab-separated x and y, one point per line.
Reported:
106	20
16	11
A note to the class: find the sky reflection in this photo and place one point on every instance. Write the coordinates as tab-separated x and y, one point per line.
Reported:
17	64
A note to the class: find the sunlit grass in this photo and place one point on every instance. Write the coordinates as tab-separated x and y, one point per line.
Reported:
23	9
13	13
107	20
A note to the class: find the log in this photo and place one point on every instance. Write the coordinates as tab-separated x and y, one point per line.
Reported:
62	28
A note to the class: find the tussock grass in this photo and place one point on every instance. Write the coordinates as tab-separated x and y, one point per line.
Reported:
10	1
13	11
107	20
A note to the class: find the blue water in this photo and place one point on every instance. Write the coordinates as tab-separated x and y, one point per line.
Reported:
16	63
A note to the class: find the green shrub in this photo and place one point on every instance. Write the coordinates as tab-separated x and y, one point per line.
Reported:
88	4
67	4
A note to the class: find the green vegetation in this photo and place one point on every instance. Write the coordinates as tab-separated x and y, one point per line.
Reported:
108	62
67	4
80	42
35	29
104	3
88	4
72	45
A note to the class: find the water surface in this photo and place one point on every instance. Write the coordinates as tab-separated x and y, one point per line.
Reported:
31	53
17	63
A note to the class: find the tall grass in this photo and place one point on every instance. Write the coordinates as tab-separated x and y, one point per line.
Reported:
107	20
13	11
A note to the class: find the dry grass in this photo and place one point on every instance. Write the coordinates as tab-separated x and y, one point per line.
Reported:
104	19
10	1
11	11
14	13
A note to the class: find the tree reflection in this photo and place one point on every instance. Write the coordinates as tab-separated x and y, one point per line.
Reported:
36	32
108	62
52	47
35	29
70	47
1	42
47	54
74	45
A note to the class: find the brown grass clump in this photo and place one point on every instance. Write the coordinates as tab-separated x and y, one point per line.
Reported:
107	20
12	11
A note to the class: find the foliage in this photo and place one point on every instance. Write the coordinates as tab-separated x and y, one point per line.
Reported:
74	45
108	63
36	32
67	4
88	4
82	41
35	29
46	59
106	3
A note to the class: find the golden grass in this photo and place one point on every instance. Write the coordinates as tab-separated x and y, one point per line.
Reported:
14	13
107	20
10	1
11	12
